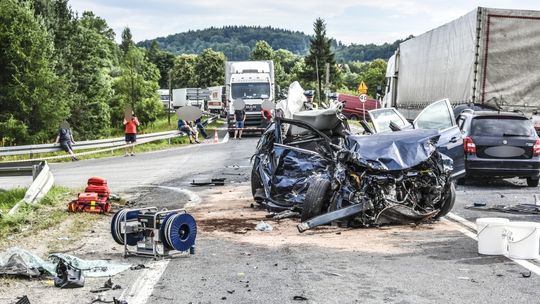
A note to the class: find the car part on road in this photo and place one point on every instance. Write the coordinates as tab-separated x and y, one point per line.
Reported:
23	300
262	226
208	181
153	232
68	276
331	216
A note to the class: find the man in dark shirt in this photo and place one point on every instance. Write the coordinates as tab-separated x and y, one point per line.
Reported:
65	138
240	117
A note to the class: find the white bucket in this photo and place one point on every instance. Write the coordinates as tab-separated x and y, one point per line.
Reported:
491	235
523	240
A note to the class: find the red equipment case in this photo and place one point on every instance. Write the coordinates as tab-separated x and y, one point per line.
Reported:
97	180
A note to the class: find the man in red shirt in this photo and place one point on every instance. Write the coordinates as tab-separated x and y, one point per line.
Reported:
130	131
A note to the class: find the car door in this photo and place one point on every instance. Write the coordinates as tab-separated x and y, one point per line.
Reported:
439	116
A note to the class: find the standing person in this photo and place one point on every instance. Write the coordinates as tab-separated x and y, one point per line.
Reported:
65	138
201	129
266	118
130	131
240	117
308	104
183	126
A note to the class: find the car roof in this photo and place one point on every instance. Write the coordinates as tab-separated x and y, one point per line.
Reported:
495	113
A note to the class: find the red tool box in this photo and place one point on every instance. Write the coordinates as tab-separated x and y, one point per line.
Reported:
94	198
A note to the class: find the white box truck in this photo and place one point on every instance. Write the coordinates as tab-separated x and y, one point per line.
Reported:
189	97
215	99
253	82
489	57
165	97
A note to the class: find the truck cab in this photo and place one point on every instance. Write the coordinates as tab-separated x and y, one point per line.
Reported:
251	82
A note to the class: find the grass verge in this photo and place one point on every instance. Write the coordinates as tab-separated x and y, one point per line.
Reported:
32	218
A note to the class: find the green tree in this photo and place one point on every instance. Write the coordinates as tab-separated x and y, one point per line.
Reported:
373	76
210	68
32	96
94	58
137	86
320	54
183	71
127	40
262	51
164	61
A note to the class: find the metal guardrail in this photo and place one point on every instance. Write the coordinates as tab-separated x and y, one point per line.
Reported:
117	142
43	180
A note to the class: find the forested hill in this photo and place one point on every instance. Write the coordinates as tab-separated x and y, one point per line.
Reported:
237	42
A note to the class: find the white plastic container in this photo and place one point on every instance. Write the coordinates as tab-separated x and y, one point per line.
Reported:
523	240
491	235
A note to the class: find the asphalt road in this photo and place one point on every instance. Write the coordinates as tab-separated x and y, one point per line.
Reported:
438	264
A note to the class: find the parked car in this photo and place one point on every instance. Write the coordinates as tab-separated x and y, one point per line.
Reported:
353	108
500	145
312	163
437	116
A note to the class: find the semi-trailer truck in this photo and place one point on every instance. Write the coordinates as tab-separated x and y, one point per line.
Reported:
489	57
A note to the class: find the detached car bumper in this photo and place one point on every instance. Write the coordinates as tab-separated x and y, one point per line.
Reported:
503	167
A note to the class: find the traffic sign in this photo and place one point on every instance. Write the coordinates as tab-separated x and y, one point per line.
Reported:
363	97
362	88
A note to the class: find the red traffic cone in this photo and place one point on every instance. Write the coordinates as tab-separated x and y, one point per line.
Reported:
216	138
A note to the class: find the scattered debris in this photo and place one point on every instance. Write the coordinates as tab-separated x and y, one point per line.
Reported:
23	300
300	298
526	274
286	214
68	276
479	204
205	182
262	226
137	267
16	261
108	285
231	291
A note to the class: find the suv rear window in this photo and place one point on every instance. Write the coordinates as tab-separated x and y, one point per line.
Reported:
501	126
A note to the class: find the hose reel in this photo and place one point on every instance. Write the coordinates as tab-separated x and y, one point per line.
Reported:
154	233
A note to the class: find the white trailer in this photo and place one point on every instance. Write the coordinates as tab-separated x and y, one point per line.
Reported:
189	97
488	57
215	99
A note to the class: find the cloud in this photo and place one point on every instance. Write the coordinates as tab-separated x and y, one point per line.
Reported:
350	21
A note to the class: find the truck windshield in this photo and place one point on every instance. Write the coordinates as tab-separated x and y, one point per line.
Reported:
250	90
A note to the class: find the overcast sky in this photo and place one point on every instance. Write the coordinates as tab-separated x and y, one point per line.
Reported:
349	21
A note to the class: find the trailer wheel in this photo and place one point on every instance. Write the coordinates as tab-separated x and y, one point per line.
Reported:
532	182
448	202
316	198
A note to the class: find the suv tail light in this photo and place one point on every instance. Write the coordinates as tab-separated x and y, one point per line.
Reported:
470	147
536	147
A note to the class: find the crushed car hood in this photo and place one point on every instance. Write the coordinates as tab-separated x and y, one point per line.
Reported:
393	151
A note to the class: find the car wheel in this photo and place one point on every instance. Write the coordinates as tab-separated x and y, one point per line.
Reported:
448	202
256	182
531	182
315	199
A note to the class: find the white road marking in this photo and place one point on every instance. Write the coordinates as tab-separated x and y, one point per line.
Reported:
455	219
142	289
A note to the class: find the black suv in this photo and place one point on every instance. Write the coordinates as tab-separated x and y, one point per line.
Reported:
500	144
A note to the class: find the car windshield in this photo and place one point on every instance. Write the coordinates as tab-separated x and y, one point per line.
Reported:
382	119
501	126
250	90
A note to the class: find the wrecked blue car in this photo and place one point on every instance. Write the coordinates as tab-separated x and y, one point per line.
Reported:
313	164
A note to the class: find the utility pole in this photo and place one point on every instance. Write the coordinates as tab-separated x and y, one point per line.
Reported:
318	80
170	96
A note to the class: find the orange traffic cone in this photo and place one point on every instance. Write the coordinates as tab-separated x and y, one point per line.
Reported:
216	138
